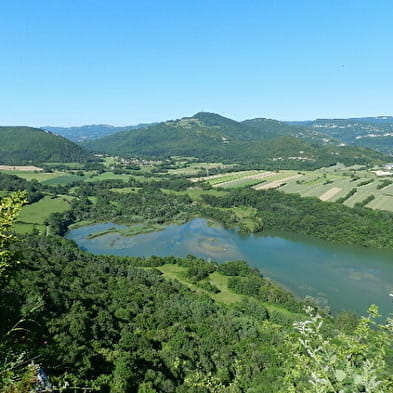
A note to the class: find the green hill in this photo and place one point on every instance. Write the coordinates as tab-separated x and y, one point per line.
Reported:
23	145
211	137
273	128
90	132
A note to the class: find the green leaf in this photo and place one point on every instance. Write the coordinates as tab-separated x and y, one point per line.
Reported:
340	375
358	379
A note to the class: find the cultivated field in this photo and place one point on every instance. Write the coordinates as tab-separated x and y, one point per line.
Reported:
275	183
329	194
246	180
222	177
197	167
327	184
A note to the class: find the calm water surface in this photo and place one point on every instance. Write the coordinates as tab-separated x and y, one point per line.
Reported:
344	278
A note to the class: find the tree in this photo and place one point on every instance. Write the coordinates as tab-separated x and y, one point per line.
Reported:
344	364
15	376
9	209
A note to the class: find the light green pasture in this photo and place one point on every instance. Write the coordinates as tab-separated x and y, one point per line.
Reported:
38	212
196	167
109	176
39	176
225	295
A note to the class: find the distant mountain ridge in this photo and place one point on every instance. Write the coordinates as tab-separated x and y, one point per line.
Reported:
26	145
372	132
274	128
211	137
91	131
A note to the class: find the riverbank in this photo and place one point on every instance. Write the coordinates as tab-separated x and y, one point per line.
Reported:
341	277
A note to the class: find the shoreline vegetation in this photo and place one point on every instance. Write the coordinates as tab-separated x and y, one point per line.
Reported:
137	228
130	230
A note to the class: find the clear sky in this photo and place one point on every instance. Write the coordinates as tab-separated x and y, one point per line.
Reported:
121	62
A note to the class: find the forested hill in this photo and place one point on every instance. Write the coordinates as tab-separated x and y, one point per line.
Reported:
23	145
90	132
273	128
212	137
372	132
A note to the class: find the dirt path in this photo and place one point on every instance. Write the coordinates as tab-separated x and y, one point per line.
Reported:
329	194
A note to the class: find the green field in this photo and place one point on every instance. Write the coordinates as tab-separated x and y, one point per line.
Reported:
123	177
109	161
62	179
230	176
69	165
176	272
225	296
195	168
109	176
243	183
34	215
48	178
39	176
239	179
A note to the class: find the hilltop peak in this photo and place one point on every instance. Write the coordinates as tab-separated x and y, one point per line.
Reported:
214	119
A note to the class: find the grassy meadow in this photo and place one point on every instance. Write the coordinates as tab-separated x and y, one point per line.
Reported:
34	215
220	281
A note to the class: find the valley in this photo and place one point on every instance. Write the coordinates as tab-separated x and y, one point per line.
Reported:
196	197
237	239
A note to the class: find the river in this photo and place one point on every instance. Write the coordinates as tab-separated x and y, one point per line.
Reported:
341	277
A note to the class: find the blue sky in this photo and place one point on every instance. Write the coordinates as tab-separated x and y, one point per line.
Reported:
123	62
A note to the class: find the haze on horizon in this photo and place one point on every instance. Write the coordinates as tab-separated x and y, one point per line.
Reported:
122	63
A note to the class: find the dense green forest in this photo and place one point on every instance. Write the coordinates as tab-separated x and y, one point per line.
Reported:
112	324
310	216
26	145
211	137
33	188
273	128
